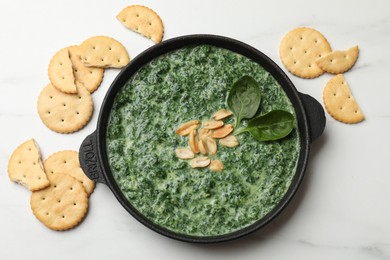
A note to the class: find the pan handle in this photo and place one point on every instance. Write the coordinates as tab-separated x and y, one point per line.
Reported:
89	159
315	114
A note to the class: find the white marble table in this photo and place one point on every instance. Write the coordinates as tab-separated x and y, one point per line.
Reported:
342	210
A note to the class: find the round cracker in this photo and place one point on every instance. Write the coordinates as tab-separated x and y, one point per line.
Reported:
89	77
299	50
65	113
62	205
142	20
67	162
61	72
337	62
103	52
340	103
78	173
62	162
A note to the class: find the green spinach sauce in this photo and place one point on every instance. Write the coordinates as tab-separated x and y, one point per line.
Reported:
186	84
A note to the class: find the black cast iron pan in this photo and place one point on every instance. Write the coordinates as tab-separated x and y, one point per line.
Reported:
310	116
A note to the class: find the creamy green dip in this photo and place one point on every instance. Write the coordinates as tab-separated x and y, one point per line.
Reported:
186	84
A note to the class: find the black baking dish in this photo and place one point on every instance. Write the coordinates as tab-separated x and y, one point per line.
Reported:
310	117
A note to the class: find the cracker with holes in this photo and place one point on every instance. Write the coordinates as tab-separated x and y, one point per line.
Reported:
103	52
337	62
61	162
65	113
25	166
62	205
67	162
88	184
61	72
142	20
89	77
340	103
299	50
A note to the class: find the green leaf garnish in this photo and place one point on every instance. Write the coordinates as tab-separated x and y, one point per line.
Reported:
271	126
244	98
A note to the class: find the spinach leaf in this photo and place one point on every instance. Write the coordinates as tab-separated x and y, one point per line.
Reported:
271	126
244	98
